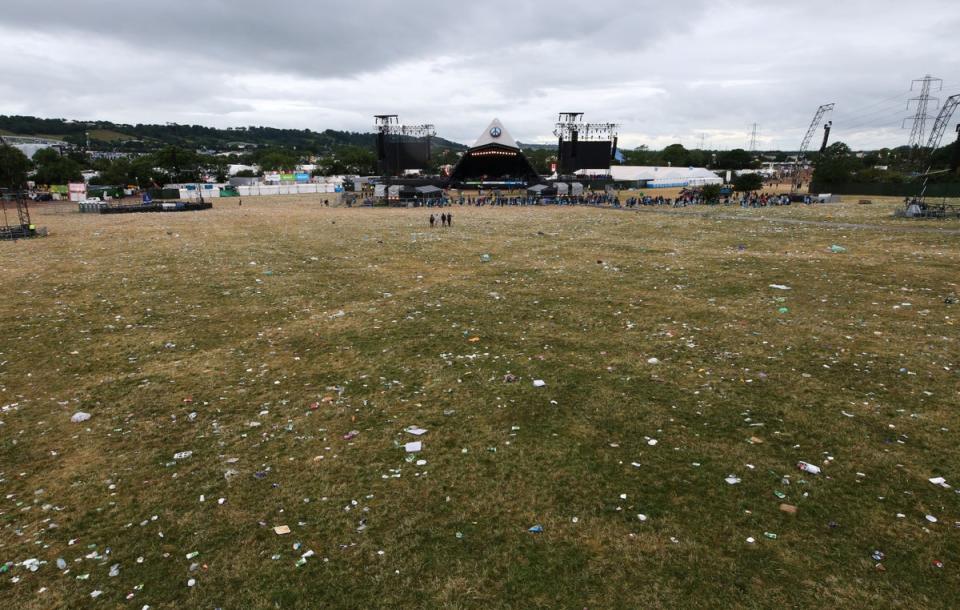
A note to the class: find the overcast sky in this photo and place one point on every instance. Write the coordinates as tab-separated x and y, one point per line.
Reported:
665	71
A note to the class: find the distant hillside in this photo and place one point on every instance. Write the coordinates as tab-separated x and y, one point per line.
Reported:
537	146
105	135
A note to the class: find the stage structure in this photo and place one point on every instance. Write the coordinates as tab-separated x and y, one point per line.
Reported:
805	144
584	145
16	226
936	134
401	147
495	160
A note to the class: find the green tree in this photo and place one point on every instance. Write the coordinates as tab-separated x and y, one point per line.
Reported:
146	174
14	166
54	169
113	173
711	192
735	159
676	155
836	164
276	159
746	183
348	160
181	164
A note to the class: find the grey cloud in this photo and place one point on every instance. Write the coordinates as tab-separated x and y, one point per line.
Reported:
666	72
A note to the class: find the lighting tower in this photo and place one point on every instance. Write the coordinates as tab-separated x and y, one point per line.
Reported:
795	173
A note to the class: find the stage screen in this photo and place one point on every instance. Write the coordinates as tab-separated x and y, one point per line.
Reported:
407	155
590	155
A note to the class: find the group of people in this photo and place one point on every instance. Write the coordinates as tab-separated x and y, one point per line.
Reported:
747	200
762	200
445	220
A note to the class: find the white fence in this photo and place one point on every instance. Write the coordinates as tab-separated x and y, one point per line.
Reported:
285	189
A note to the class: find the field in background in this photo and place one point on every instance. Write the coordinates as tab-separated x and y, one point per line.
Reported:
289	346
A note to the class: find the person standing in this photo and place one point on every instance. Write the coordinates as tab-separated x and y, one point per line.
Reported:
432	221
449	220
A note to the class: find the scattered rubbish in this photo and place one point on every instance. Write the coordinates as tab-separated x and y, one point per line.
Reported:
837	249
783	310
473	339
508	378
485	258
805	467
79	417
931	519
350	435
281	530
642	517
536	529
779	287
780	494
751	540
539	383
942	482
770	535
182	455
789	509
732	479
652	442
878	555
653	361
414	430
937	563
756	441
413	447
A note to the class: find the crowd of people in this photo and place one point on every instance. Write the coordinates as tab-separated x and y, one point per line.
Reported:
499	200
684	199
746	200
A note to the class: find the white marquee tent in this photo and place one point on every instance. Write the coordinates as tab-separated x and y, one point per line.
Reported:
660	177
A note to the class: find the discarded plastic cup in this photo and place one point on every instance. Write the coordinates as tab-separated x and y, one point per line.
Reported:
804	466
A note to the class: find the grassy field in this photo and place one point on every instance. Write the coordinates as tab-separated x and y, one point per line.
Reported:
108	135
289	347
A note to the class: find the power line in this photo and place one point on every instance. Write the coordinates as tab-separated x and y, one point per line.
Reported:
861	109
